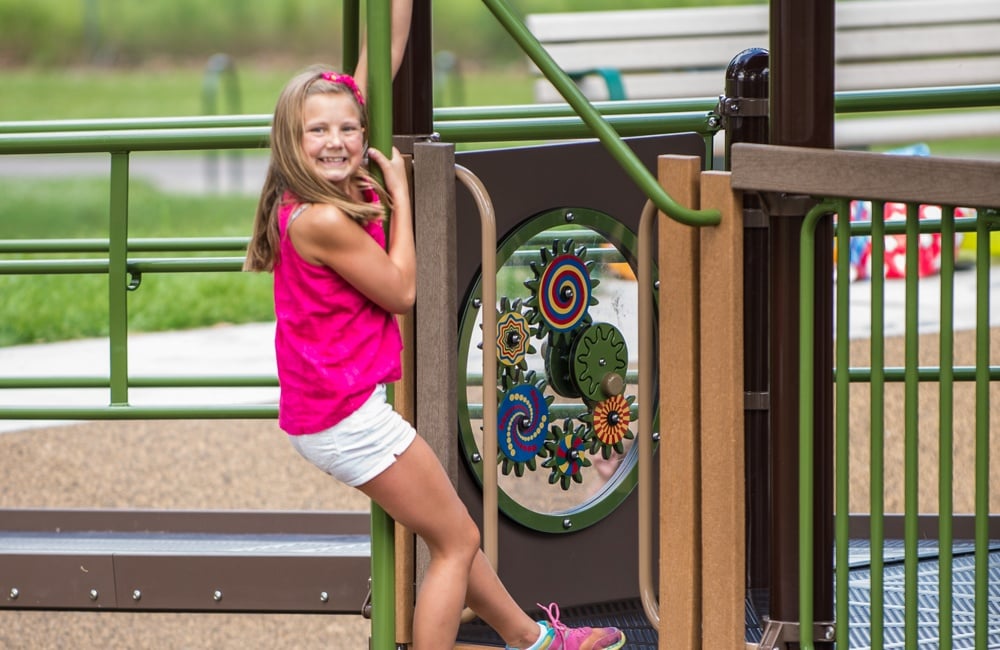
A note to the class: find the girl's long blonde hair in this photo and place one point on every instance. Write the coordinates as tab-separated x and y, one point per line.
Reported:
288	171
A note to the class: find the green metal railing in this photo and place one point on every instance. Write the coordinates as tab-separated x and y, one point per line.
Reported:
911	375
609	121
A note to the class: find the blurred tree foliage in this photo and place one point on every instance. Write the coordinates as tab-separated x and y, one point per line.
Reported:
129	32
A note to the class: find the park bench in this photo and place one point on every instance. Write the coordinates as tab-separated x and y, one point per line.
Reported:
684	52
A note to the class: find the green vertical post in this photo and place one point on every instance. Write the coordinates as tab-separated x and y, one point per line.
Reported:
982	430
946	425
118	278
911	435
380	123
842	443
380	74
877	462
807	276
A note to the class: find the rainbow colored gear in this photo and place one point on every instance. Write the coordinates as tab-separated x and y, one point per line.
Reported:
567	446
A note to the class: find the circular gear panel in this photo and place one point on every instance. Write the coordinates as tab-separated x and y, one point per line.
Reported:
564	444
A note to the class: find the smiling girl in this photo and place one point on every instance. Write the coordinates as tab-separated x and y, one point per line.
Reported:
337	290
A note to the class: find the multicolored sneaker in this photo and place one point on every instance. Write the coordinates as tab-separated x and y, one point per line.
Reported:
581	638
544	641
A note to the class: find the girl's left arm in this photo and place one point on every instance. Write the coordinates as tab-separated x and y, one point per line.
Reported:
402	12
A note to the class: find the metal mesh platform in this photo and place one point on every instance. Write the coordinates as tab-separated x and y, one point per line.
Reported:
629	617
963	596
626	615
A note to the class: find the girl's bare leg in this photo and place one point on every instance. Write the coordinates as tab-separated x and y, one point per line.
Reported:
416	492
490	600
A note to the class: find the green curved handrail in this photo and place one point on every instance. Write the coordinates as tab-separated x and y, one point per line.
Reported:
607	135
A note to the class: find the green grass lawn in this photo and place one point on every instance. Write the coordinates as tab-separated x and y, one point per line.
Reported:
59	307
86	93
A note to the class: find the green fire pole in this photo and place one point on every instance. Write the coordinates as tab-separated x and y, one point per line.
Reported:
380	124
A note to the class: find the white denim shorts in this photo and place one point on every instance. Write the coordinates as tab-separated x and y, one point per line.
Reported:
362	445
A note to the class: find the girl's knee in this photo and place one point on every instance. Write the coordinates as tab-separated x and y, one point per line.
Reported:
473	536
461	540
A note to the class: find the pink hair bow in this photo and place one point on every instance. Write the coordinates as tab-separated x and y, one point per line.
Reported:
345	80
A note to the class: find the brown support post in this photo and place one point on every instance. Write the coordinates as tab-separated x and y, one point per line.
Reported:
413	88
745	113
801	115
412	96
722	425
680	440
436	325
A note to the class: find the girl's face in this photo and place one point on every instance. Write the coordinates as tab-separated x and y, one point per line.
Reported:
332	138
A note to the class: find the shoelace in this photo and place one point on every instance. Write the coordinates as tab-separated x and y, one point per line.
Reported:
552	611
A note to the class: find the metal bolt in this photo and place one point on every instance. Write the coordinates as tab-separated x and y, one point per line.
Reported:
602	362
324	597
476	457
656	286
656	436
477	302
567	523
713	121
217	595
828	633
14	593
136	595
93	594
570	216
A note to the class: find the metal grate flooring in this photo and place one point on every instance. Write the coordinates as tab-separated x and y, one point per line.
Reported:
963	595
629	617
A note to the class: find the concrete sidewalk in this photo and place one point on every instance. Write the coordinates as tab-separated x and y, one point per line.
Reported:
234	172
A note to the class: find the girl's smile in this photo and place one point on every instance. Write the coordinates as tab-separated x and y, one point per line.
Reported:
332	137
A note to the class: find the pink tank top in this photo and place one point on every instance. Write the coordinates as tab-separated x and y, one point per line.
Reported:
333	344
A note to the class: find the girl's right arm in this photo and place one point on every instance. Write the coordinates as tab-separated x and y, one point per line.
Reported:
401	246
387	276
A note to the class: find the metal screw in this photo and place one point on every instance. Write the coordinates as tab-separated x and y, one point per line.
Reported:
656	286
656	436
828	633
476	457
217	595
14	593
567	523
713	121
93	594
324	597
570	216
477	302
136	595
